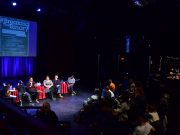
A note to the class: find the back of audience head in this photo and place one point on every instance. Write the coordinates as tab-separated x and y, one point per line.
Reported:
97	91
139	89
46	106
142	119
110	81
151	108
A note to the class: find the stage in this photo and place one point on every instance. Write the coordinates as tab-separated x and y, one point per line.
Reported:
65	108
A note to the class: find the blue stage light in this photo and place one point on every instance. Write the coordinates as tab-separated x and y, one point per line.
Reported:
128	44
14	4
38	10
137	3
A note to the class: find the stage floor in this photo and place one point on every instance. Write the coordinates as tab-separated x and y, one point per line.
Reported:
66	108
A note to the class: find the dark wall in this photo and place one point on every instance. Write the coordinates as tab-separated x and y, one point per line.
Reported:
71	35
55	48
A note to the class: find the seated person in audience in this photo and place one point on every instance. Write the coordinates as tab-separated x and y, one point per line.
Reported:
90	108
154	117
22	91
143	127
139	101
108	99
57	86
124	84
31	89
48	87
112	85
122	109
163	108
95	97
109	93
46	115
132	86
71	81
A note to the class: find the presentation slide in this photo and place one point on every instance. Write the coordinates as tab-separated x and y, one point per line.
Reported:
17	37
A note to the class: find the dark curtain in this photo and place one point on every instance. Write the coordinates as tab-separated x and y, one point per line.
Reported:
12	67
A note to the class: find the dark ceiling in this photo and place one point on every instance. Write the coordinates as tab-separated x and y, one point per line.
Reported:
155	19
96	9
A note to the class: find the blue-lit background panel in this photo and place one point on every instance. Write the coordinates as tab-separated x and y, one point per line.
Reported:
16	66
17	37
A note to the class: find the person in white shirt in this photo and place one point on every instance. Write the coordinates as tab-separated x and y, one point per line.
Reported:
153	113
112	94
71	81
95	97
143	127
108	93
48	86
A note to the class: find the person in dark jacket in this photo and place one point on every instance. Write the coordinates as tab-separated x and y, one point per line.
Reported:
46	115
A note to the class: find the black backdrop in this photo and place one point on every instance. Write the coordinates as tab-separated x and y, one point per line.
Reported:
71	35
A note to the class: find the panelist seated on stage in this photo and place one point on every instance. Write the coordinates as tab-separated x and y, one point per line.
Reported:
22	92
10	93
57	86
40	90
31	89
7	89
48	86
71	81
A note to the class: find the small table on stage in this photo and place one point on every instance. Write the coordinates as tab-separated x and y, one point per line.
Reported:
64	89
41	92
